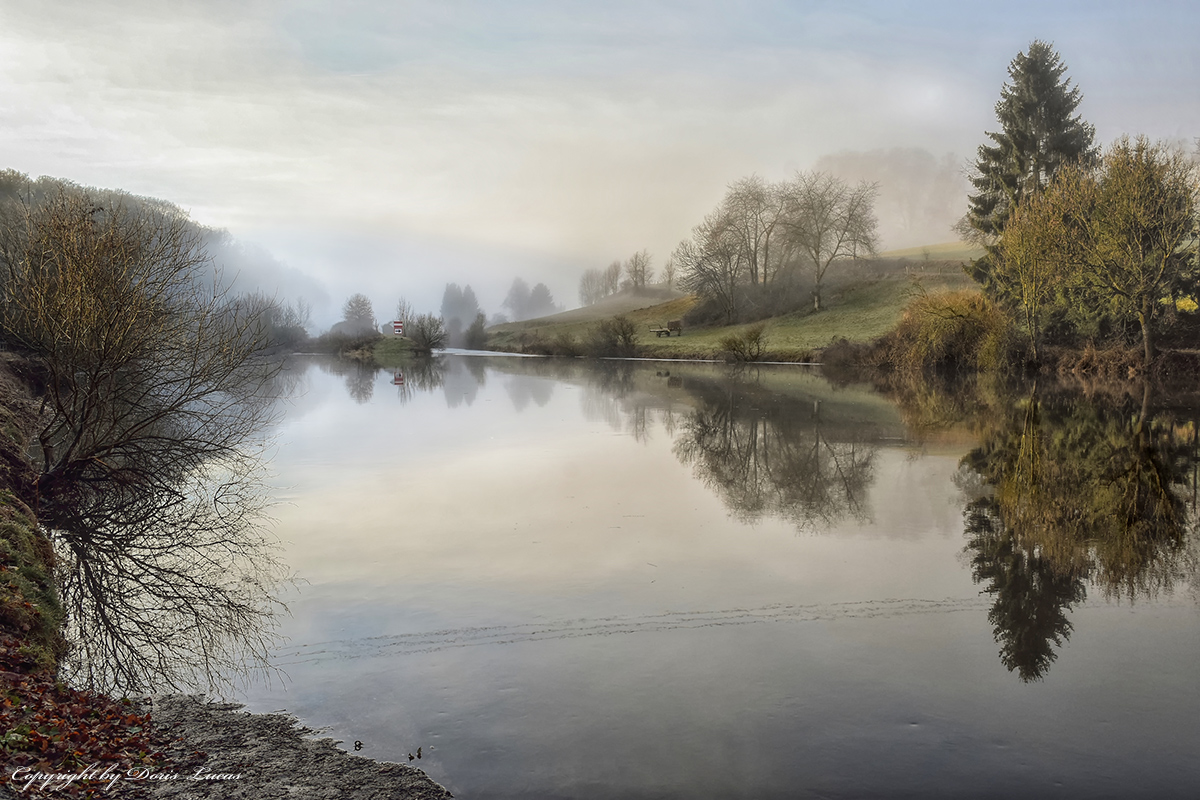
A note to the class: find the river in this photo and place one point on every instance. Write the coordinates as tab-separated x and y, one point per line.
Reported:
567	579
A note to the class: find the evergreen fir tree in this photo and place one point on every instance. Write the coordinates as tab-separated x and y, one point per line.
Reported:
1040	133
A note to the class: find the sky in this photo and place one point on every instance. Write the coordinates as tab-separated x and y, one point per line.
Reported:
391	147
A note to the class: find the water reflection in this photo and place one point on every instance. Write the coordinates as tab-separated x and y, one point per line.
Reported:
764	451
167	572
1063	491
1076	492
522	392
765	454
359	377
576	579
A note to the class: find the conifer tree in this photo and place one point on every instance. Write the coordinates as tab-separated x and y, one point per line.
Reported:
1040	133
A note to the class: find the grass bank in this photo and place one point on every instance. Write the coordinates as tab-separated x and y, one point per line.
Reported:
857	311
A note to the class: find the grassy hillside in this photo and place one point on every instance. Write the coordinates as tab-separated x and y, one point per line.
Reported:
627	301
859	306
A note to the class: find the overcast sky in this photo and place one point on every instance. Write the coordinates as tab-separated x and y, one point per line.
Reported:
390	147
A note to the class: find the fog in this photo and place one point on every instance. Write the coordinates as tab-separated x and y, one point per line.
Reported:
393	148
920	196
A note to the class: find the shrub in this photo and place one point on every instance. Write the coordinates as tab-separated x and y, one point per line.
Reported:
747	345
428	333
613	337
954	330
565	344
342	345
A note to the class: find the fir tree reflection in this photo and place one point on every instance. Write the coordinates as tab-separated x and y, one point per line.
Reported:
1080	492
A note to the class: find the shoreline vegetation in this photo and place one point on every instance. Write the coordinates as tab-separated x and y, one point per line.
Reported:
899	316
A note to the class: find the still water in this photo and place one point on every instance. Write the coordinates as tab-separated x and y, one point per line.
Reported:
662	580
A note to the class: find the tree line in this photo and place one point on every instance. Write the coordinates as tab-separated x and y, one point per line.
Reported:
461	322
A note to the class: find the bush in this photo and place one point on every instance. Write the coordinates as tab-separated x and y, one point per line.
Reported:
747	345
340	344
565	344
616	337
428	333
953	330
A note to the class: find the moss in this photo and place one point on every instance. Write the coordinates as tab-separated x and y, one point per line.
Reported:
29	604
30	609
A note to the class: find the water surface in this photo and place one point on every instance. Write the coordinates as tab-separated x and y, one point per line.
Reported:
626	580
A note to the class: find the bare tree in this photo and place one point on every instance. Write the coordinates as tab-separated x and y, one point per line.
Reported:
638	269
404	312
711	263
597	284
428	333
155	394
753	210
114	303
827	220
668	273
591	287
612	277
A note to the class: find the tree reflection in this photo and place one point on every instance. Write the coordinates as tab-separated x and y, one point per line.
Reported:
769	455
1079	492
461	381
1032	593
359	377
419	374
167	573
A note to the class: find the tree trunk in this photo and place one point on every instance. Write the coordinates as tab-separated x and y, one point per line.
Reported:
1147	334
816	299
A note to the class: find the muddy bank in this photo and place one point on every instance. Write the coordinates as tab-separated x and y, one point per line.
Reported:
271	755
